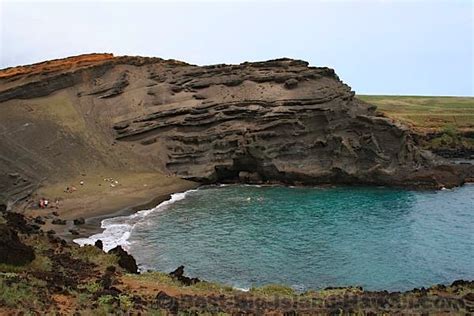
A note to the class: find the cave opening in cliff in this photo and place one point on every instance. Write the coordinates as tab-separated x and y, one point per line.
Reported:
247	169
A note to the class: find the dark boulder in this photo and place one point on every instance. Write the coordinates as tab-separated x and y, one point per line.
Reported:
167	302
39	220
126	260
457	283
98	243
178	274
79	221
12	250
58	221
74	232
18	222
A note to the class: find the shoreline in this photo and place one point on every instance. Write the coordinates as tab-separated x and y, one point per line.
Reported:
93	224
95	198
120	237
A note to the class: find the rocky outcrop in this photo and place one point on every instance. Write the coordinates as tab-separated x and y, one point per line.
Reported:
12	250
125	260
278	121
178	275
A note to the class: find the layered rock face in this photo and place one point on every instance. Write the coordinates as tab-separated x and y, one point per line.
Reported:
273	121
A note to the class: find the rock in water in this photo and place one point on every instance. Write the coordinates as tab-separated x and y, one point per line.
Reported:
12	250
126	260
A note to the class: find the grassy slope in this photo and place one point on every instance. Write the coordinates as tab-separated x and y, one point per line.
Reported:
426	113
68	279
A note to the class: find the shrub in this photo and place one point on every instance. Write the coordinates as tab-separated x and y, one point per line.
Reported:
8	268
451	131
41	263
125	302
91	287
16	294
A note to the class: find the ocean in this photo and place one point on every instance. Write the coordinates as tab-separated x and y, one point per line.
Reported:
307	238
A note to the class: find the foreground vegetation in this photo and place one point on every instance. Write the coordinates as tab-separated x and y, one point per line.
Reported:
66	279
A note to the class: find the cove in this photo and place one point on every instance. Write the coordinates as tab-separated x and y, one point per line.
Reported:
310	238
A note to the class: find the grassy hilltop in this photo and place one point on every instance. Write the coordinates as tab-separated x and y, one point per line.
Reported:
427	113
445	125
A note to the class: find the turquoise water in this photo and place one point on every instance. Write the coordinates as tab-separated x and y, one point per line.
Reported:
378	238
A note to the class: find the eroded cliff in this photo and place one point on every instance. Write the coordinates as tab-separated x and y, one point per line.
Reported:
274	121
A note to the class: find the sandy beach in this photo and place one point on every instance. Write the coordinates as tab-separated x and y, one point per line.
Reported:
98	195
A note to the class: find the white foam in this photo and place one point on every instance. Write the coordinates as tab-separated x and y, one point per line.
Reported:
117	229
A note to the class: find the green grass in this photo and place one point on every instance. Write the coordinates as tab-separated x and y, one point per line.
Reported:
426	112
14	294
273	290
165	279
95	255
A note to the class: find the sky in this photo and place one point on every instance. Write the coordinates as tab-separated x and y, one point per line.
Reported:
416	47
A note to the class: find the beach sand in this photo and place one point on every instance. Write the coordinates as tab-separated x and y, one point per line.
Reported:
103	194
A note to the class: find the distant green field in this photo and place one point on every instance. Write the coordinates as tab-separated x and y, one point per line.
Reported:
425	112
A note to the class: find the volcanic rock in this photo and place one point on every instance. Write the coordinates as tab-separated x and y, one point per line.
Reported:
19	223
58	221
79	221
74	232
39	220
178	274
167	302
98	243
126	260
12	250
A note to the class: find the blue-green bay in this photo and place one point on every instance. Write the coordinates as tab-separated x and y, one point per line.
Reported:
378	238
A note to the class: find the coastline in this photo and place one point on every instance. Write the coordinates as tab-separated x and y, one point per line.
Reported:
116	228
93	222
96	199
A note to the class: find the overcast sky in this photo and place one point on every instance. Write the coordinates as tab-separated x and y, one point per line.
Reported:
377	47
